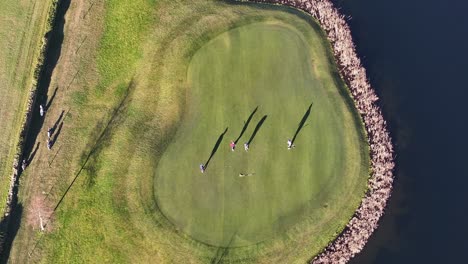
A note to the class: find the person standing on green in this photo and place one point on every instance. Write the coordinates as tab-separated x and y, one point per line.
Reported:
232	145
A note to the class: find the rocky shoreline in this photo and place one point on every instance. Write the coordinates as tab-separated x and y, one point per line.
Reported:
365	220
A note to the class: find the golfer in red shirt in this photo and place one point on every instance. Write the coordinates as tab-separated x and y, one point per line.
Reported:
232	145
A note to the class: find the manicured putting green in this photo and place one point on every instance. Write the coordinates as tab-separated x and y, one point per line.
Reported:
271	72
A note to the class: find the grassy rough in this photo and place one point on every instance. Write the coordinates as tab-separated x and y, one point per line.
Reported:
128	118
125	25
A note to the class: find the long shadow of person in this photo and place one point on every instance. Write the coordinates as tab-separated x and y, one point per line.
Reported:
57	122
301	124
56	134
49	103
246	124
215	148
33	154
259	124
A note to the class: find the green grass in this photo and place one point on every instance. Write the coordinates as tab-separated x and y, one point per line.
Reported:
125	25
172	71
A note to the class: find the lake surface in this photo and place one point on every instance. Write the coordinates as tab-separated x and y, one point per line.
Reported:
415	54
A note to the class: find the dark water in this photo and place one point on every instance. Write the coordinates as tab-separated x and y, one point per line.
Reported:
417	59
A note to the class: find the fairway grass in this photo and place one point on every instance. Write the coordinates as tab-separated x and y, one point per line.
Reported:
168	83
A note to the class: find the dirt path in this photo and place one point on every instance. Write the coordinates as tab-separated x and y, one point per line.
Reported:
50	170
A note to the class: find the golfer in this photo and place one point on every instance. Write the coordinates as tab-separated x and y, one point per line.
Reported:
246	174
41	110
23	165
246	146
232	145
202	168
49	144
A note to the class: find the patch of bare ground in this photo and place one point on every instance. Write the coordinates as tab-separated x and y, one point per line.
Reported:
38	212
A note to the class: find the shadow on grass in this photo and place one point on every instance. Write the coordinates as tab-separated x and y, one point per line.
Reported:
51	99
33	154
246	124
259	125
222	251
52	55
54	127
9	227
302	123
99	143
215	148
56	134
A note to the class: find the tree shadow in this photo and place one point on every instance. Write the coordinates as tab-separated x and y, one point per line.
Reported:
52	55
246	124
301	124
259	124
99	140
33	154
9	227
215	148
51	99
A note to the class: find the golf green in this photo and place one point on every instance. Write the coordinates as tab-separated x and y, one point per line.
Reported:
277	82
